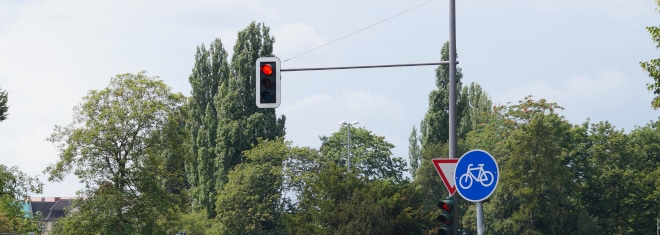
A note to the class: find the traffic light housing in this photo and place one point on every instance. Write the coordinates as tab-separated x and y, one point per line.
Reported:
446	216
268	86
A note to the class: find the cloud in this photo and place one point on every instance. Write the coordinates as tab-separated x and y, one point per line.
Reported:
585	96
584	89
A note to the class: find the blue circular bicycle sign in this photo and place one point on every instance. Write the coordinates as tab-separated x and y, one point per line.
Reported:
476	175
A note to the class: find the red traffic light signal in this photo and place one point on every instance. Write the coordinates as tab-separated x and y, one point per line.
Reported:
446	206
267	69
268	87
446	216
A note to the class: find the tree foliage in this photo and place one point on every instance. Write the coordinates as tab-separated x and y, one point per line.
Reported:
107	147
652	67
371	155
435	125
242	123
3	105
223	119
414	152
15	186
251	200
211	70
13	220
335	201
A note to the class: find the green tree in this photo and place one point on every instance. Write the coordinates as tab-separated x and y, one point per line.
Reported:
13	220
429	188
14	187
250	202
3	105
210	71
302	164
16	184
108	147
601	167
642	168
435	125
337	202
652	67
171	156
536	176
371	155
330	200
414	152
535	194
477	111
241	123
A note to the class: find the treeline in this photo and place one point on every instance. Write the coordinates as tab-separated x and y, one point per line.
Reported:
158	162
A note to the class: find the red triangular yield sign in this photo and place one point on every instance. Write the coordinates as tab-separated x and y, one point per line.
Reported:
446	168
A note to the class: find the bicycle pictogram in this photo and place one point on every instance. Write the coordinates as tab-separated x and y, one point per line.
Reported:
484	177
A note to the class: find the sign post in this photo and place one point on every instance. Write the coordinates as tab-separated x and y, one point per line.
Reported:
476	177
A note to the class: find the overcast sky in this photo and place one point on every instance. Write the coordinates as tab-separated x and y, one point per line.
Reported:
583	55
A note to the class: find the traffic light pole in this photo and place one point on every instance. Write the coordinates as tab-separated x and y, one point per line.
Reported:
452	99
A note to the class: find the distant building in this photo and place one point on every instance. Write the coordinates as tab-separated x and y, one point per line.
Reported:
50	208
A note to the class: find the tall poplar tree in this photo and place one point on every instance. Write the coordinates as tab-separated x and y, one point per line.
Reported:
3	105
210	71
414	152
478	109
241	123
223	118
435	125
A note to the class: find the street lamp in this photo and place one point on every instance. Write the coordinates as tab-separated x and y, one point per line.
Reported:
343	123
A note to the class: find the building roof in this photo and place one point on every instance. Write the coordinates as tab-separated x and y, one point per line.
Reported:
50	209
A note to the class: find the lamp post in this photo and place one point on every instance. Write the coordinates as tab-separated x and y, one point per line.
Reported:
343	123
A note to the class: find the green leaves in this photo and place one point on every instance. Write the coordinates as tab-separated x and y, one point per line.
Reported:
3	105
250	200
17	184
371	155
652	67
109	146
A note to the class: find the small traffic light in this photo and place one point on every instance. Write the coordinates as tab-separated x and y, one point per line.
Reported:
268	82
446	216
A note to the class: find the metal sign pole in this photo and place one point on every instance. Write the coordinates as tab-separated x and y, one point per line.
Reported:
480	218
452	96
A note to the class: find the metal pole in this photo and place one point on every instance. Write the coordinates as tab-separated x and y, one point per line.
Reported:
480	218
452	95
452	81
349	147
365	66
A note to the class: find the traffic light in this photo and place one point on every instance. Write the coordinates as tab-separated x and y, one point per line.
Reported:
446	216
268	82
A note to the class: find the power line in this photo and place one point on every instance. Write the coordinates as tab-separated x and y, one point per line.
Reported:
360	30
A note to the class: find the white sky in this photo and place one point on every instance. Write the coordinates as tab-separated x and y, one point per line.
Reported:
582	54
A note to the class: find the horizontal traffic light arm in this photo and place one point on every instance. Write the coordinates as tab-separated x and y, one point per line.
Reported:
367	66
